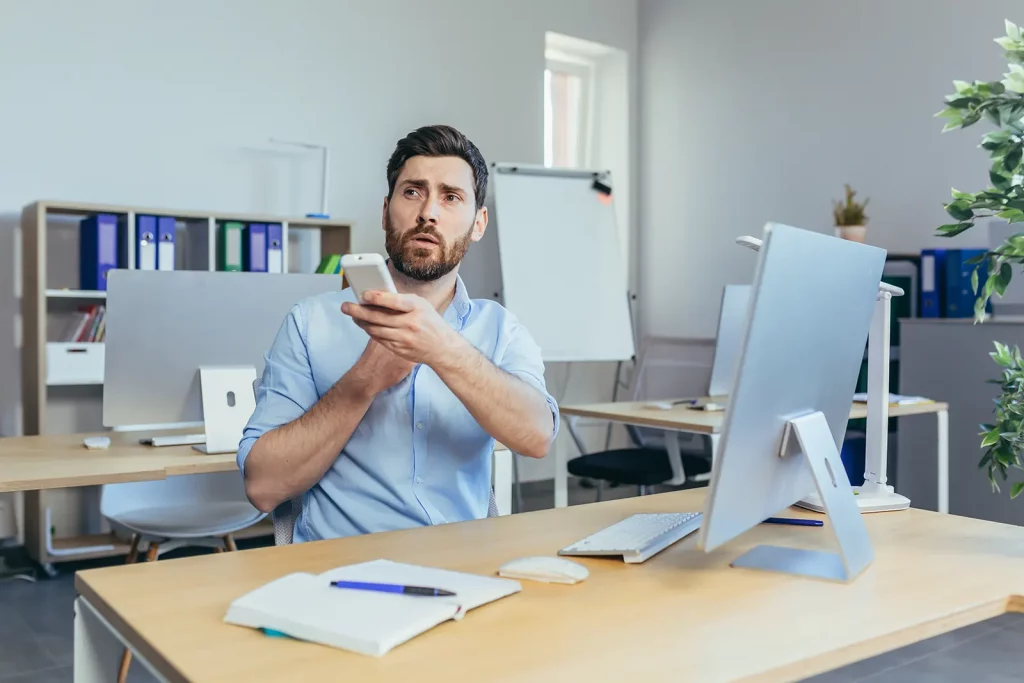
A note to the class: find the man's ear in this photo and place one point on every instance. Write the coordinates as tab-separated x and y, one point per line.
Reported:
384	216
479	225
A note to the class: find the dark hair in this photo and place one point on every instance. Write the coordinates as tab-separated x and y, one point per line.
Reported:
439	141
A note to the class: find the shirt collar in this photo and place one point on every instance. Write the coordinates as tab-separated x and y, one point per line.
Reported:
459	308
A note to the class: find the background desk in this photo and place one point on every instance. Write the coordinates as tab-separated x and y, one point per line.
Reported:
682	615
683	419
36	463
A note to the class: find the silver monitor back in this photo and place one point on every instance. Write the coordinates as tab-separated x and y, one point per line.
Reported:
162	325
812	301
731	319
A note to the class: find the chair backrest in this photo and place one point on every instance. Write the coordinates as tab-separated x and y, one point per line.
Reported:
178	491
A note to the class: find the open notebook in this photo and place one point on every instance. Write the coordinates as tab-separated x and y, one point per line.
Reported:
307	607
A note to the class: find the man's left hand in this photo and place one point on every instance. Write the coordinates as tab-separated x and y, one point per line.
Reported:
405	324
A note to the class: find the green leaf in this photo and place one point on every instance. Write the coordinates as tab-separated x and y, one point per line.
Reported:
1006	43
974	281
979	309
999	181
1016	489
1012	31
960	210
993	113
954	229
976	260
957	194
962	87
996	87
1013	157
964	102
1003	278
1012	216
985	459
991	439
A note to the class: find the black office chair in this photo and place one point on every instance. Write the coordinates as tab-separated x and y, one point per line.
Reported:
648	463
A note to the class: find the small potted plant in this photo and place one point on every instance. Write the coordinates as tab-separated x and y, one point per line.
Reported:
851	222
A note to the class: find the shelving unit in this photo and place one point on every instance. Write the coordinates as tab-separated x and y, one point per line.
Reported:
62	382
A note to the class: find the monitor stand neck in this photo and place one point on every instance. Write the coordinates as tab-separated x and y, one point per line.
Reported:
228	402
818	446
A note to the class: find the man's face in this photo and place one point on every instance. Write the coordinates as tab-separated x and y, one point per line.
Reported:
432	217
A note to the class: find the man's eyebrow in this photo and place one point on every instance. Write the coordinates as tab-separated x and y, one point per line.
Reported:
445	187
415	182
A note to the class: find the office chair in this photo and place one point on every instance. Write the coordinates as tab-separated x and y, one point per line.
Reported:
647	462
287	513
187	510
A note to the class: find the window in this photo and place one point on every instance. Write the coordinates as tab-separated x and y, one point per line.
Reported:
567	107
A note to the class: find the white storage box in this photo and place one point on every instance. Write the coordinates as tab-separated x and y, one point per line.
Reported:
74	363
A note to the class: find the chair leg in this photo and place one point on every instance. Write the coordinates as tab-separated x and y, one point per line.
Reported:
126	658
600	489
229	543
218	549
643	491
133	551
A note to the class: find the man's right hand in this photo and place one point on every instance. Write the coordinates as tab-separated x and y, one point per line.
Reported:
379	369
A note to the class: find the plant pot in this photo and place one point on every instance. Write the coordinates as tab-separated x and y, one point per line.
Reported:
854	233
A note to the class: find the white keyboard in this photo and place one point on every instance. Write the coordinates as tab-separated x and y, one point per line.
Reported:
175	440
637	537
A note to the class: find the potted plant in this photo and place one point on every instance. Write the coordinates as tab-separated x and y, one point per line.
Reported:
1000	103
851	221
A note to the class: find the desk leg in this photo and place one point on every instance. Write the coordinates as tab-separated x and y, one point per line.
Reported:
943	464
502	481
98	647
561	465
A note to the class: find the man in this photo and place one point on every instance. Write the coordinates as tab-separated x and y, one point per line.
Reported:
383	416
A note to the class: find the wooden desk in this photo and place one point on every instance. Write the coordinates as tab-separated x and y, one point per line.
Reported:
682	615
681	418
35	463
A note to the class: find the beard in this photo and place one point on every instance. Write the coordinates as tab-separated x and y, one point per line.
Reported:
424	264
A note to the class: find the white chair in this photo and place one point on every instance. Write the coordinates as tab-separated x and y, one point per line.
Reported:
285	514
187	510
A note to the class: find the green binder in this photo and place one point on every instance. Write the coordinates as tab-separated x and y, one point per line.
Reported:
229	246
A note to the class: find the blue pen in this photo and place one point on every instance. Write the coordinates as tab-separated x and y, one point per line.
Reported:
392	588
793	521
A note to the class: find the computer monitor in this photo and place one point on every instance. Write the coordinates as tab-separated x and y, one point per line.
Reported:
732	317
801	350
163	326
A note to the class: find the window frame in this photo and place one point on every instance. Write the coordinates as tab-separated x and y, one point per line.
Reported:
584	69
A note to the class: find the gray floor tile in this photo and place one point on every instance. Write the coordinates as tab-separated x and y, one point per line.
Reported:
21	652
61	674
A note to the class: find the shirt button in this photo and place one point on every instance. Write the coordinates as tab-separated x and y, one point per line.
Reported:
419	425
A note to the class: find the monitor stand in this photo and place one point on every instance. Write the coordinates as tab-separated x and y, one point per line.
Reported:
855	552
228	403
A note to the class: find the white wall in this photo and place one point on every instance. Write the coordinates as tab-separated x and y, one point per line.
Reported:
759	111
172	104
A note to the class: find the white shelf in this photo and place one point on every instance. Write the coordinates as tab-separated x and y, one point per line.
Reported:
75	294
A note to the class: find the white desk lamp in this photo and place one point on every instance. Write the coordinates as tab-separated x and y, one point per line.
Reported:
875	495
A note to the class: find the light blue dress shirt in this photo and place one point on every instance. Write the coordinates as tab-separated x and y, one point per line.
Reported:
417	457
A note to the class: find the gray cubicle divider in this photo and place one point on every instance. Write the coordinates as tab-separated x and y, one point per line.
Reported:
947	360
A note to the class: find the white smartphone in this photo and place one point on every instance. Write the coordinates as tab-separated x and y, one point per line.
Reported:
367	272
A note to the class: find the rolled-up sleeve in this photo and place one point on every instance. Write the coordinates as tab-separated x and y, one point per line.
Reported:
287	390
522	358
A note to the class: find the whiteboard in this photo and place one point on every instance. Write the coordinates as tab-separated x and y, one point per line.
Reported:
561	269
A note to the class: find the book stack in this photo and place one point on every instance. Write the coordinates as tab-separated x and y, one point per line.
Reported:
88	325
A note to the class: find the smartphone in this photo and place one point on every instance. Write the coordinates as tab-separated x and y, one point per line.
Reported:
367	272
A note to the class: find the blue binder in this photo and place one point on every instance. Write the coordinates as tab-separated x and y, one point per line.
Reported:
254	248
98	250
933	283
165	243
145	242
959	292
275	248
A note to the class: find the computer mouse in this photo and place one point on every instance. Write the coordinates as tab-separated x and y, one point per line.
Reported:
546	569
94	442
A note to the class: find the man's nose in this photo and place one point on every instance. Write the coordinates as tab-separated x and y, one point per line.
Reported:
429	211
